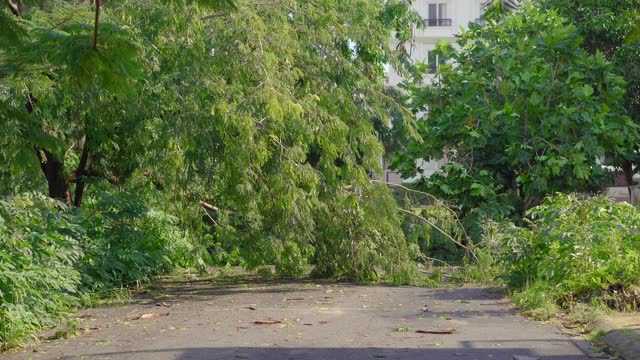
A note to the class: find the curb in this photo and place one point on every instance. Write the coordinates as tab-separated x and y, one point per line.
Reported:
623	339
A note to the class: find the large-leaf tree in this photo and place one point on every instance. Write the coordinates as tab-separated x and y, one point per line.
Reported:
607	26
520	111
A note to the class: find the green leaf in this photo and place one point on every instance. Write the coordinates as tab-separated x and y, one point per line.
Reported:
634	35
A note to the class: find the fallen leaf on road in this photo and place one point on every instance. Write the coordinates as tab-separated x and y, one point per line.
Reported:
436	331
267	322
164	304
148	316
322	322
250	307
425	308
293	299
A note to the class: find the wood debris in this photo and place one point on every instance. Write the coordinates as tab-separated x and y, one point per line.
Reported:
147	316
436	331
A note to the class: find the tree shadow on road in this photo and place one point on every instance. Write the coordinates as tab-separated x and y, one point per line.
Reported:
209	353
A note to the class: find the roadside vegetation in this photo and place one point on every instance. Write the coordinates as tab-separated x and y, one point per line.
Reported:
142	137
573	253
536	111
138	137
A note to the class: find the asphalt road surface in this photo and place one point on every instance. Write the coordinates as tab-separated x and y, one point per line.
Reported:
250	319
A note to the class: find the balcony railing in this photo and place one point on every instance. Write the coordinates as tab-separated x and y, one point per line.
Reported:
437	22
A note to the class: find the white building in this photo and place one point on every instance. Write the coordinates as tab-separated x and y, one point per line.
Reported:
443	19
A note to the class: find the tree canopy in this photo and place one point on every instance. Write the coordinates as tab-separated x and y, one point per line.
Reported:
525	111
609	27
264	111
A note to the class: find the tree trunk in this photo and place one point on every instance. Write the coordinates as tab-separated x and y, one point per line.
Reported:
81	172
627	168
53	170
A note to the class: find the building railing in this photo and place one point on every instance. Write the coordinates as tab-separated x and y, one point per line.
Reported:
437	22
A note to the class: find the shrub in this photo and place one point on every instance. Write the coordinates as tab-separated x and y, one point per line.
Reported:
127	241
51	257
39	245
575	248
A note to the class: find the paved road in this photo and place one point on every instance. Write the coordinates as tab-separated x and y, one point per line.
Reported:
213	320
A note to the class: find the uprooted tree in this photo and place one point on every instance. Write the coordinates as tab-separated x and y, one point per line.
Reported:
264	111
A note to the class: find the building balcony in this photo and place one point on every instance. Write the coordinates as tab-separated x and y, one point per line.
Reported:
436	22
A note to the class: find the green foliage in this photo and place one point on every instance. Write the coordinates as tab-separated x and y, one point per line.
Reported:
523	112
263	110
51	258
269	110
633	36
576	249
604	24
349	247
127	241
39	248
609	27
432	243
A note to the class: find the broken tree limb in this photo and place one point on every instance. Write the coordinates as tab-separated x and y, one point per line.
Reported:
439	201
209	206
209	216
216	209
440	230
14	8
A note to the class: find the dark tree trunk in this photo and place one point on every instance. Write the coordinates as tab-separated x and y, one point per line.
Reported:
627	168
53	170
81	172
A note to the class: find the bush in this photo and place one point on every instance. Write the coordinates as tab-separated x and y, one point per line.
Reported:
51	256
128	241
39	246
575	249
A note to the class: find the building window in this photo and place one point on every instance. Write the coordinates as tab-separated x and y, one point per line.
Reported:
437	15
434	61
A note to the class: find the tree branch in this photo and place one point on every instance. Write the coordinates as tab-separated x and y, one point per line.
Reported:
15	9
439	201
214	15
439	230
81	172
